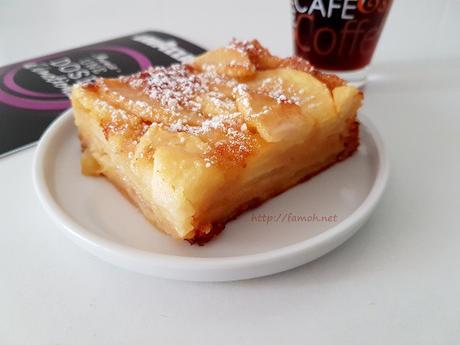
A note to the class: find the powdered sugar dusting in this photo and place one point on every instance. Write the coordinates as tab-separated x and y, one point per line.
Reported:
243	46
275	88
175	87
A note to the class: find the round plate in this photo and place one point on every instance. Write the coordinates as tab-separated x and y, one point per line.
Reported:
290	230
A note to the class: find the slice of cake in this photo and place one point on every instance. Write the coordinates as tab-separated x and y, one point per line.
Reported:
195	145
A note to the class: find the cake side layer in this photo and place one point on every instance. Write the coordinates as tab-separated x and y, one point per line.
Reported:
351	144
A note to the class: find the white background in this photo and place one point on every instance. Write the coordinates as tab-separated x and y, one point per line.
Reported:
396	282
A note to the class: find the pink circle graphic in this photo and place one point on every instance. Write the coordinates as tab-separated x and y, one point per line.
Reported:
46	104
8	79
25	103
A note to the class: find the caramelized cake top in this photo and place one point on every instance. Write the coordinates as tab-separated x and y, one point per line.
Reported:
232	99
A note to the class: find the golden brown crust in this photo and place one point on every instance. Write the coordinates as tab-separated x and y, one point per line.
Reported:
258	54
331	80
263	60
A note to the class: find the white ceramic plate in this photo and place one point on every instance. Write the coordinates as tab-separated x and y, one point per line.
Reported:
281	234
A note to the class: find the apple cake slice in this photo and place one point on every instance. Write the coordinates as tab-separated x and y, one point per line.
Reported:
194	145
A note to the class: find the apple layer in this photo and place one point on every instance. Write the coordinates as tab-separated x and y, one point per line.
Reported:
193	146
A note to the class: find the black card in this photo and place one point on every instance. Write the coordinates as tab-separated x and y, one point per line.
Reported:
33	92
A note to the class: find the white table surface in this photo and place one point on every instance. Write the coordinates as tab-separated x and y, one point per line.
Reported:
396	282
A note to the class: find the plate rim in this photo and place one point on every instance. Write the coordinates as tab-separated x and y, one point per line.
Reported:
289	252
